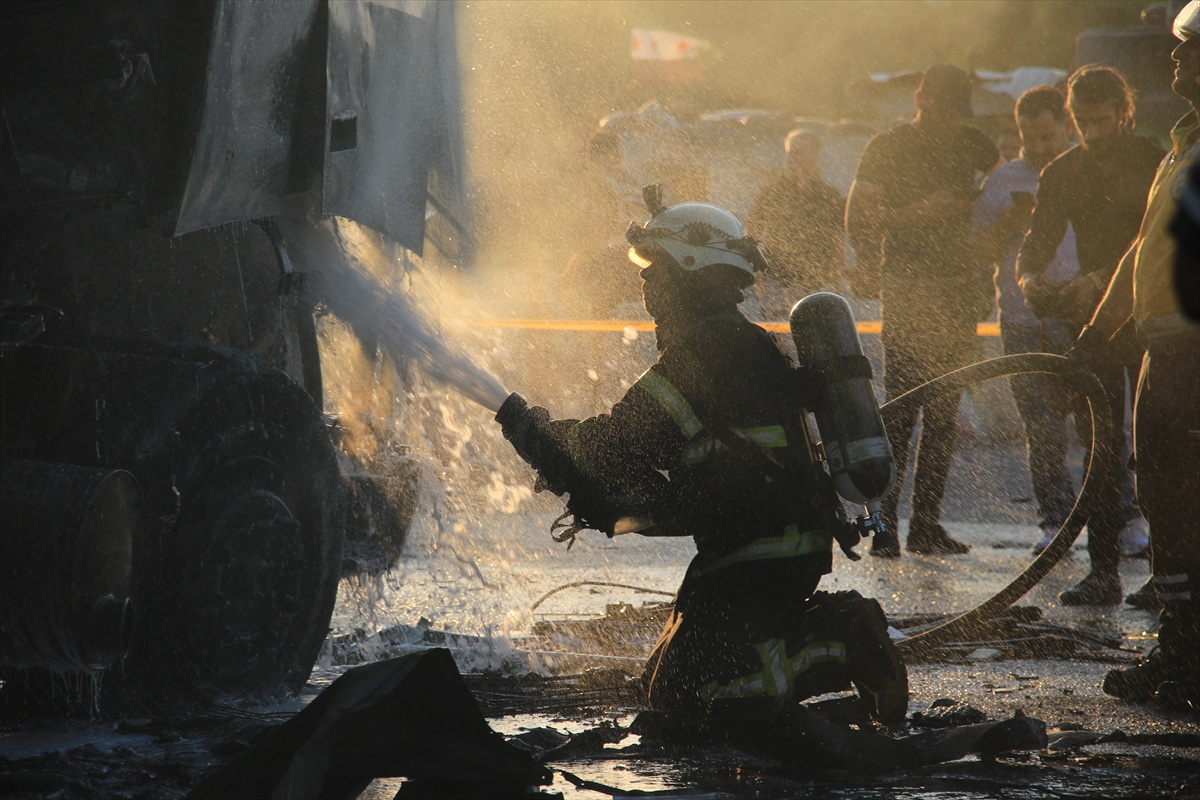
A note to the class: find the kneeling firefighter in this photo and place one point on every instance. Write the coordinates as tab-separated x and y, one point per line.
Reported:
711	442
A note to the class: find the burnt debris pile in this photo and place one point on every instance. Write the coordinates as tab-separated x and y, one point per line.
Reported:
1020	632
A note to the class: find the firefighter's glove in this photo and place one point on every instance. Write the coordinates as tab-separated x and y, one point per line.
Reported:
518	421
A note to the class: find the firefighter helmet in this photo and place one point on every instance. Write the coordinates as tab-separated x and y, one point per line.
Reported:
695	235
1187	21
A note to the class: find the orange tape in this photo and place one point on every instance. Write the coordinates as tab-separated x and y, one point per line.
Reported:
616	326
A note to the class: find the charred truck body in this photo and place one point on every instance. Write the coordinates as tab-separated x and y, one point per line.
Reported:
171	490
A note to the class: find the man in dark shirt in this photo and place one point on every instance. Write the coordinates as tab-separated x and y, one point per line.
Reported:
799	218
914	190
1100	188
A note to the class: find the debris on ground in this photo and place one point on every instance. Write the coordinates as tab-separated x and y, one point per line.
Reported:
946	713
1020	632
412	717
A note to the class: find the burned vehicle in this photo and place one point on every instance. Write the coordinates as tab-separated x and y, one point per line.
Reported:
173	494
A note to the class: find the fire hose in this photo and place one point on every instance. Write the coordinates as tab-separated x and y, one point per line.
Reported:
1076	379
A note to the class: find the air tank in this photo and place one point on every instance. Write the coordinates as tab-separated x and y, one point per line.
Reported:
853	436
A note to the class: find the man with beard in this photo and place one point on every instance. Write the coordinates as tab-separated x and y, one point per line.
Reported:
1099	189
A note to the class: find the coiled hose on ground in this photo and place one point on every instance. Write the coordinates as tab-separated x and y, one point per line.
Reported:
1076	379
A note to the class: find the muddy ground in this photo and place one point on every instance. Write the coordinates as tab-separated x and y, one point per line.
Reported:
1146	752
156	747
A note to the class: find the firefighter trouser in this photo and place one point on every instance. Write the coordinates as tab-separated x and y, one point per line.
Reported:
1166	431
732	654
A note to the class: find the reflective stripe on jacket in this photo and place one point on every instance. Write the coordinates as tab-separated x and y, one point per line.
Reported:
778	676
664	449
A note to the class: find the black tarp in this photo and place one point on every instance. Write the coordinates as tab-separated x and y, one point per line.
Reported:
412	716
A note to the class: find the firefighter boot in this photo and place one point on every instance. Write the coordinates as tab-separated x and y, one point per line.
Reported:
1139	682
1176	660
873	661
1145	598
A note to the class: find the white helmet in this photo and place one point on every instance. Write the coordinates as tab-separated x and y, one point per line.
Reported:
1187	21
696	235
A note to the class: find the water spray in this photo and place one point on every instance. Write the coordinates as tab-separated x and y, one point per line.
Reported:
353	267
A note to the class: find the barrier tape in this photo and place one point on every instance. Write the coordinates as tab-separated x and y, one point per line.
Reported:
618	326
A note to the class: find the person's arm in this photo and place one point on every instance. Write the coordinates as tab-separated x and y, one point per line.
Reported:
1116	307
867	218
1047	228
995	220
1114	310
607	463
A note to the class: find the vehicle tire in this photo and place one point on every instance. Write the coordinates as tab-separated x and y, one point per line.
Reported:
237	581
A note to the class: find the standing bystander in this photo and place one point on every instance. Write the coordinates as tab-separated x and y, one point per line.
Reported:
595	279
1099	188
1045	132
799	218
914	192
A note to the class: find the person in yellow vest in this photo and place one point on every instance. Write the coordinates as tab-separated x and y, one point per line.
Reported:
1167	409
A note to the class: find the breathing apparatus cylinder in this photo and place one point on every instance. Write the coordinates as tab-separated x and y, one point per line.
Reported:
853	436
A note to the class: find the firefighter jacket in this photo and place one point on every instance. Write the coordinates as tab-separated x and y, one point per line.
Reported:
708	443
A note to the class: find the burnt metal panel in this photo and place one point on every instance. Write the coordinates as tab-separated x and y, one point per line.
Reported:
393	116
239	167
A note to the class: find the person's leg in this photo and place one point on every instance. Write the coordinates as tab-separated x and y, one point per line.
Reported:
935	450
931	463
872	661
1045	431
900	374
1167	443
1102	586
1133	540
724	646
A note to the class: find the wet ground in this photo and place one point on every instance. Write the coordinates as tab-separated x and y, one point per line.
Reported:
484	581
